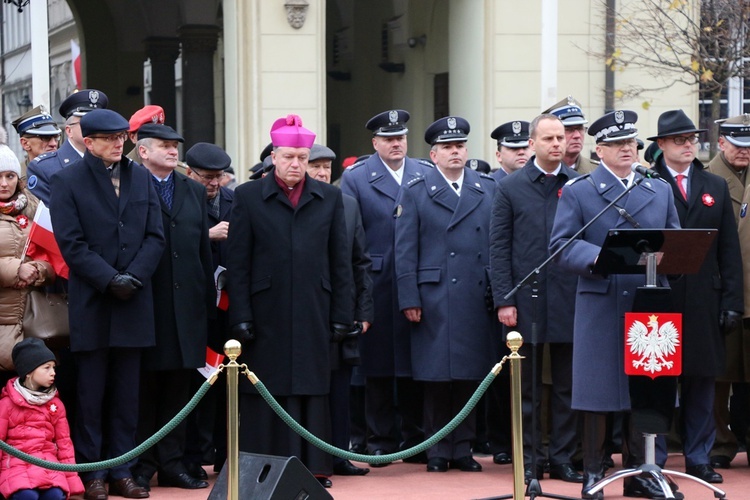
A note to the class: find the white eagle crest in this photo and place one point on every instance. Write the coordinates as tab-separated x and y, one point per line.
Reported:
653	346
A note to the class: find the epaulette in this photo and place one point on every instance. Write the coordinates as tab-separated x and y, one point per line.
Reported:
355	165
486	176
45	155
576	179
415	180
425	162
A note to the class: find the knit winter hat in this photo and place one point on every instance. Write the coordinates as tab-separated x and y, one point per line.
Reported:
9	161
29	354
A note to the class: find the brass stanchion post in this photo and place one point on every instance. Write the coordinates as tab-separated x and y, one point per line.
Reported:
233	349
514	341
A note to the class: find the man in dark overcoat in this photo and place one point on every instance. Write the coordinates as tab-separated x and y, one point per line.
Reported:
345	351
523	212
290	282
207	164
732	164
41	170
442	259
183	298
107	221
390	391
708	299
600	384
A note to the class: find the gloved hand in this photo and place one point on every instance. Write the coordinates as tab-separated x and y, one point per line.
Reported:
244	332
339	332
123	286
729	321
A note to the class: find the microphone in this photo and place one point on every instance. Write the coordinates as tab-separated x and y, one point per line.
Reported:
644	171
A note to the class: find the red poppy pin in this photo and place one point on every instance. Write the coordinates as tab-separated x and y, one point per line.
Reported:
559	192
23	221
708	200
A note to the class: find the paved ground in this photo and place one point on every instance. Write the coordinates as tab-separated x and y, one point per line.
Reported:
411	482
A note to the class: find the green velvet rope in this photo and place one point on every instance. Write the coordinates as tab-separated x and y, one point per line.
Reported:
114	462
376	459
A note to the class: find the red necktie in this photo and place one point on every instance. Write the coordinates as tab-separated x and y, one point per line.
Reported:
679	178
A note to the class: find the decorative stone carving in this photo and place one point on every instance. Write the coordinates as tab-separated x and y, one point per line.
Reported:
296	12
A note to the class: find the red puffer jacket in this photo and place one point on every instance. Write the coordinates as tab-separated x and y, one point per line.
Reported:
41	431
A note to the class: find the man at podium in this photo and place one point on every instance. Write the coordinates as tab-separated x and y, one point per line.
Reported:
600	384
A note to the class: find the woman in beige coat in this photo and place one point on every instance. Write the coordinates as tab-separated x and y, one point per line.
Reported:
17	273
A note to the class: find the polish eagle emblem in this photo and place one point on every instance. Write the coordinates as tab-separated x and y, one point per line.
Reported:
652	345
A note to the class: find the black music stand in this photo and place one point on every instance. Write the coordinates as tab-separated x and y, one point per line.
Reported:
662	251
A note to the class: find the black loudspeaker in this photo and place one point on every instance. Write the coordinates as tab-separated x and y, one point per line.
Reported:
265	477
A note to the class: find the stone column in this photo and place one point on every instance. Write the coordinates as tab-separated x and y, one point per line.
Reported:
163	52
198	47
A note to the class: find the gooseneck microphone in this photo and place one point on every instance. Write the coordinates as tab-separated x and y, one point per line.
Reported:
644	171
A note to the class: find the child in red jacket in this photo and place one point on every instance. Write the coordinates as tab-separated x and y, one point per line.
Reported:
32	419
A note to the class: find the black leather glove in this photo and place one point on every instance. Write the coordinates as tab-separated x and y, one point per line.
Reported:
244	332
124	286
339	332
729	321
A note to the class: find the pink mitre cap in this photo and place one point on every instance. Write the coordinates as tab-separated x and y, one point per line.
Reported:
289	133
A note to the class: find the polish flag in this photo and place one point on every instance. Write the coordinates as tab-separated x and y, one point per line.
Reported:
75	58
41	244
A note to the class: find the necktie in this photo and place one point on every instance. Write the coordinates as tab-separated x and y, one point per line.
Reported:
679	178
163	188
455	186
624	182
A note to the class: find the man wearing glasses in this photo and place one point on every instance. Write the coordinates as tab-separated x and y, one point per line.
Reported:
711	301
108	224
72	109
38	131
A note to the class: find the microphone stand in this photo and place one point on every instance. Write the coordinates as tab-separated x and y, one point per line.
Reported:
534	489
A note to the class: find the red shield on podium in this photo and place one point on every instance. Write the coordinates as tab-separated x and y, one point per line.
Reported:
653	344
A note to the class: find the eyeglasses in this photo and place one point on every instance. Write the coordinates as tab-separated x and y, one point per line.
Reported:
680	139
122	136
210	178
629	143
576	128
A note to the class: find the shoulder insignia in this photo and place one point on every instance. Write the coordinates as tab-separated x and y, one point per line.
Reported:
31	182
576	179
415	180
355	165
42	156
486	176
425	162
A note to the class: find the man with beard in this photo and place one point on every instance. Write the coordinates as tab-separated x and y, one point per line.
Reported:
386	349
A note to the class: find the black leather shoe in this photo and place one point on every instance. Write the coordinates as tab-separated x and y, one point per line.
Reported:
127	488
721	462
608	462
502	458
95	490
324	481
182	480
419	458
466	464
705	472
437	465
481	448
346	468
589	480
142	480
358	448
565	472
527	475
644	487
378	453
195	470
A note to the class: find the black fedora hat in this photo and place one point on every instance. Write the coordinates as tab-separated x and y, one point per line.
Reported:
674	122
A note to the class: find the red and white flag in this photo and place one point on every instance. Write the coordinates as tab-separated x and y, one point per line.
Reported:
75	62
41	244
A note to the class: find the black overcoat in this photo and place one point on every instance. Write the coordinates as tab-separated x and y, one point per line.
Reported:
184	294
290	274
99	236
718	285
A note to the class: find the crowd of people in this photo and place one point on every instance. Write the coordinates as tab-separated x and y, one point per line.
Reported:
371	311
